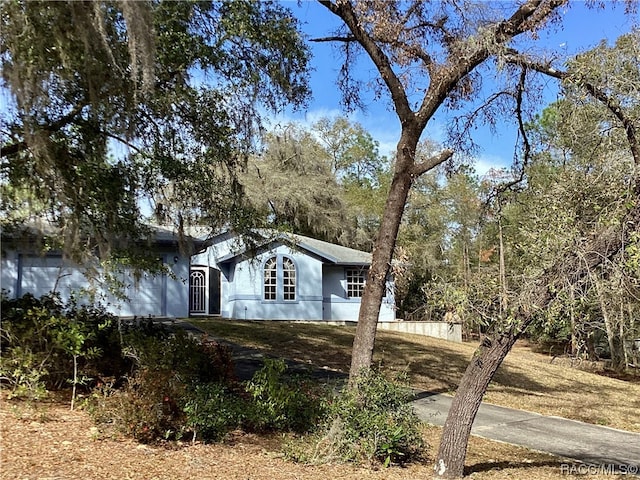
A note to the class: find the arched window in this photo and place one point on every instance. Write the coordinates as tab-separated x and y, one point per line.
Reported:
280	279
270	279
288	279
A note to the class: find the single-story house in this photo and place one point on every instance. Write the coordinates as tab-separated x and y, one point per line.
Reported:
281	277
26	269
273	277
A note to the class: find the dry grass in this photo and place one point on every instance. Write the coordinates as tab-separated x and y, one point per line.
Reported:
47	441
527	380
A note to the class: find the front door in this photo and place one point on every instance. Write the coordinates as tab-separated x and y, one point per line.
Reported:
214	291
204	291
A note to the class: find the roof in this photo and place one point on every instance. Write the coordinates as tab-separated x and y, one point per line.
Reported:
157	234
329	252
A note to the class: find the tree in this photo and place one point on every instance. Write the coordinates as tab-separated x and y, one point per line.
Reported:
447	47
122	108
310	205
362	173
432	53
582	254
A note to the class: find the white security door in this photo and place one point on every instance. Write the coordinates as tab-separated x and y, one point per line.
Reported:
198	292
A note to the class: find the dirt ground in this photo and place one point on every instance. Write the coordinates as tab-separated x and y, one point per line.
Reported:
47	441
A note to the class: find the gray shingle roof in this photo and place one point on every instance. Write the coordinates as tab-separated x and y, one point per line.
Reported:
329	252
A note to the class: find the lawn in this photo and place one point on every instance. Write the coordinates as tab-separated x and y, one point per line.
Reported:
527	380
47	441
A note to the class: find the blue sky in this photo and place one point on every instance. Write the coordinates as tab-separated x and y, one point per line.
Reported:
581	28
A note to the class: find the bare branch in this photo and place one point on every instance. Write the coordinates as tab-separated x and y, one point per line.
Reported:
525	140
348	38
344	10
610	103
423	167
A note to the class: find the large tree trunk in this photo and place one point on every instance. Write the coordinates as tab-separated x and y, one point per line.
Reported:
465	405
374	291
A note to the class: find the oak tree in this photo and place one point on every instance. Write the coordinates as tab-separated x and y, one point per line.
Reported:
122	112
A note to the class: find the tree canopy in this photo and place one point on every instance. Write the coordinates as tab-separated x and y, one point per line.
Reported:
121	110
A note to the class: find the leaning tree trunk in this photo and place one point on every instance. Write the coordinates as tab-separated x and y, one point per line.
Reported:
465	405
493	350
374	291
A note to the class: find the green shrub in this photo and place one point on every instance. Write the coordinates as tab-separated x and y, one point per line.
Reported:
212	410
373	422
284	402
47	344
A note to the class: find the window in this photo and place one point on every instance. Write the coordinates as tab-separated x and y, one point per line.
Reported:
270	278
289	278
356	278
280	279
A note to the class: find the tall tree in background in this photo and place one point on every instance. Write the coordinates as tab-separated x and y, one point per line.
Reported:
361	172
114	105
291	185
427	55
600	79
340	179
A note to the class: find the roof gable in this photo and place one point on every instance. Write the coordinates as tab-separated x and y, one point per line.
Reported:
327	252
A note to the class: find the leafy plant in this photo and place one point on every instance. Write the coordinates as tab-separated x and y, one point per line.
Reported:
46	343
212	410
283	401
372	422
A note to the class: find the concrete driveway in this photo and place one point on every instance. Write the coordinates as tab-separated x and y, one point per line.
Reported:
587	443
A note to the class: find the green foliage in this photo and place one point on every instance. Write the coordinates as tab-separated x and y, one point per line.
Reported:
113	102
176	388
372	422
283	402
212	410
43	340
183	388
160	349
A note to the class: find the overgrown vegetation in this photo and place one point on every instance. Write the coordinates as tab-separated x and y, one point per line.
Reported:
373	423
153	383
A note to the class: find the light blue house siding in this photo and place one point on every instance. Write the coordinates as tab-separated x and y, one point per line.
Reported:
337	305
25	270
163	295
244	295
254	284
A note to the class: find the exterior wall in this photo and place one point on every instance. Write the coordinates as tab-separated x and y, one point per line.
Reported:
321	289
147	295
444	330
337	306
245	298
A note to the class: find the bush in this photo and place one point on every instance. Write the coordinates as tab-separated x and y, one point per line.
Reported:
155	347
46	344
284	402
372	422
212	410
165	396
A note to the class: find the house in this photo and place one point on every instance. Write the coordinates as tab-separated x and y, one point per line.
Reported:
281	277
271	277
26	269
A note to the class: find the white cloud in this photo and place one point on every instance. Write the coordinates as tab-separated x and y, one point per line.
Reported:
484	163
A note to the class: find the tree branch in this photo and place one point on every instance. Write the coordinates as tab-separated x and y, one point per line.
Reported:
528	16
17	147
423	167
344	10
610	103
349	38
